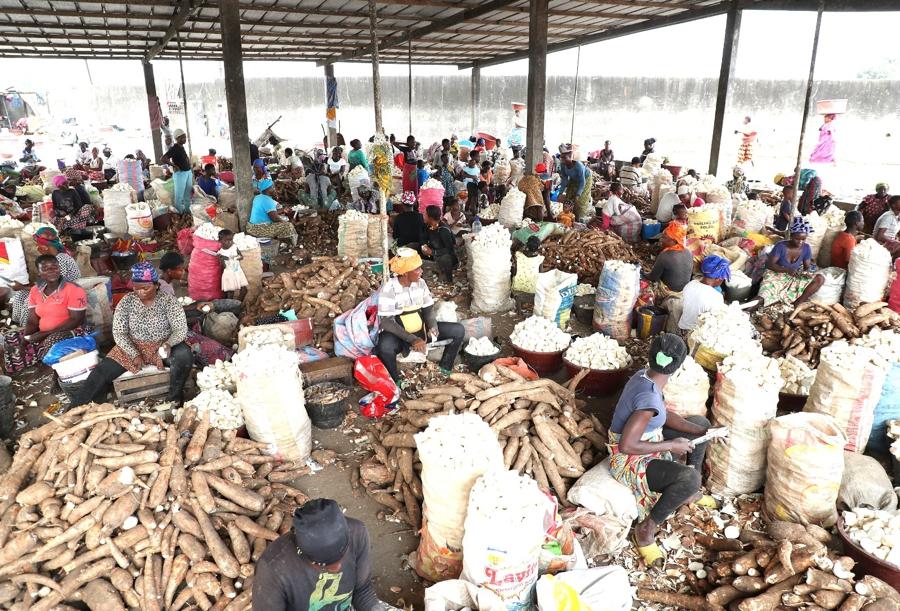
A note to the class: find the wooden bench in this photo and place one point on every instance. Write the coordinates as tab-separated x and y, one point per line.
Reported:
133	388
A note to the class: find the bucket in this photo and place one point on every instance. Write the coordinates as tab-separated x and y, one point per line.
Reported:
475	363
542	362
706	358
737	293
650	321
599	382
6	390
674	170
651	230
72	388
77	368
327	415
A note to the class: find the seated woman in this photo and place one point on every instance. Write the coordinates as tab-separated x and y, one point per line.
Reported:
644	437
672	270
149	328
48	243
874	205
705	294
789	276
440	243
406	316
56	311
72	206
887	226
265	222
624	219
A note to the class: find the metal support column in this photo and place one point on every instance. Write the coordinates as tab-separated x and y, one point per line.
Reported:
236	99
537	81
332	122
575	96
808	103
154	110
729	59
410	84
475	95
376	71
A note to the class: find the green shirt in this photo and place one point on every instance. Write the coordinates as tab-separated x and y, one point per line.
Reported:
356	158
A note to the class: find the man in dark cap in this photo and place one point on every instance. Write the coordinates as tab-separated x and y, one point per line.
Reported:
321	565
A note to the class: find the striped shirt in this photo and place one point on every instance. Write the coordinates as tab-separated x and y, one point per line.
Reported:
395	299
630	176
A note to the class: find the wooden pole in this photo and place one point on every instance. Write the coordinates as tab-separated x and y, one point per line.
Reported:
376	72
537	81
729	59
187	124
153	109
807	104
575	96
475	94
410	86
332	126
236	99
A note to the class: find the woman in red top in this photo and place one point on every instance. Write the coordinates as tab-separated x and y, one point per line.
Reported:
56	311
845	241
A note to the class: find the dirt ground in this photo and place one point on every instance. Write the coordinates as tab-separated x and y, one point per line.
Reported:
391	541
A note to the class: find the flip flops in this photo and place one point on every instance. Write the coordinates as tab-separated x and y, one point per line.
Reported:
707	501
651	554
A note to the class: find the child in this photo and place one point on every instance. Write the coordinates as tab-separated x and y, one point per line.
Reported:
171	269
233	278
454	216
208	182
680	214
421	172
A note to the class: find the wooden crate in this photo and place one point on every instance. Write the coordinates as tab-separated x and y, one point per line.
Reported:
326	370
132	389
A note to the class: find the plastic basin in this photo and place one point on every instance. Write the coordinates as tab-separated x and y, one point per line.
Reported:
542	362
866	563
599	382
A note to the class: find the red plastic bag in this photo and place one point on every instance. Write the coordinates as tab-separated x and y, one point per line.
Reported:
894	299
185	241
372	375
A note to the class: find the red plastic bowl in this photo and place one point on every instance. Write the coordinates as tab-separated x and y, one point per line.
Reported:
542	362
599	382
866	563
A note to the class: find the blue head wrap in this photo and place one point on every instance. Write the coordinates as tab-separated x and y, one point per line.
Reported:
259	163
716	267
265	183
800	225
144	272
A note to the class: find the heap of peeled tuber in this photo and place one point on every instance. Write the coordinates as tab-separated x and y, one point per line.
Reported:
116	509
541	430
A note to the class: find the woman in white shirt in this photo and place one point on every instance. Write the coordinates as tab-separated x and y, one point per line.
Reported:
703	295
887	226
337	169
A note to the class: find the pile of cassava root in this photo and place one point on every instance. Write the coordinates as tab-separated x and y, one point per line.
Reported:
584	253
812	326
325	288
539	425
789	566
116	509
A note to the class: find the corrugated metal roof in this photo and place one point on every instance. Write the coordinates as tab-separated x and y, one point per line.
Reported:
442	31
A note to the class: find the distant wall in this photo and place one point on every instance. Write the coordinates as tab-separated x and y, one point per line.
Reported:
677	112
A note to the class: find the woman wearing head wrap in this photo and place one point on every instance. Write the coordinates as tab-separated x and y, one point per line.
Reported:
55	311
149	328
738	183
673	267
705	294
406	316
575	182
748	140
644	437
874	205
887	227
790	276
410	152
265	221
321	563
72	208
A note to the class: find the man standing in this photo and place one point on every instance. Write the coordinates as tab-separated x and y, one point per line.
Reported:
183	176
321	564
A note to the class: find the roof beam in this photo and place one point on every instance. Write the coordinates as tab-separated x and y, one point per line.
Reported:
178	20
441	24
651	23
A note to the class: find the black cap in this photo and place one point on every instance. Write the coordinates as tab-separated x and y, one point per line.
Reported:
320	531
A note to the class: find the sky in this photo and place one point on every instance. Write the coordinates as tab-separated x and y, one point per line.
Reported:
773	45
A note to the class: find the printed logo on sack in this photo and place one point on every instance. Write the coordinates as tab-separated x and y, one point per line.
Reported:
4	254
500	577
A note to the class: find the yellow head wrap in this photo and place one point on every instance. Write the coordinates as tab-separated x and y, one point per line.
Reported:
778	178
406	261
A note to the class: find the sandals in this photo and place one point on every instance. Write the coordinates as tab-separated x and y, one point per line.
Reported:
652	554
707	501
